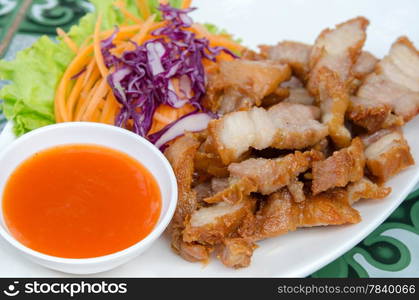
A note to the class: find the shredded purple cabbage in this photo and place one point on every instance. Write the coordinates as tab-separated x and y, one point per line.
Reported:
143	77
105	46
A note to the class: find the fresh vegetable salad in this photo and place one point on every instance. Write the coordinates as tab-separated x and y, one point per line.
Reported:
140	65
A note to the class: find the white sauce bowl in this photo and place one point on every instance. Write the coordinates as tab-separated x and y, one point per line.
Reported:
99	134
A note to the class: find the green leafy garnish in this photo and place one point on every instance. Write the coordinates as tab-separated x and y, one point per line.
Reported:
33	76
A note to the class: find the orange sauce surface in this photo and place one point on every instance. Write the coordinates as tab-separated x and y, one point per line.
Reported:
81	201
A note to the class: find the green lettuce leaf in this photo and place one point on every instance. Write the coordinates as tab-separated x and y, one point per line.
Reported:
214	29
34	74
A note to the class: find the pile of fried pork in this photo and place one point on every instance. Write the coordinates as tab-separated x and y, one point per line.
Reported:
305	131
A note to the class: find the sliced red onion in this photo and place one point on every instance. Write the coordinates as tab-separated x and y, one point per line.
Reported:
192	122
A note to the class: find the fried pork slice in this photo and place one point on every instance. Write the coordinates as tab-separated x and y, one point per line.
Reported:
291	91
283	126
380	90
394	84
344	166
236	191
280	214
366	189
337	50
372	116
206	160
210	163
219	184
211	225
400	66
180	155
293	83
202	191
299	96
269	175
332	58
369	139
256	78
231	190
329	208
192	252
364	65
295	54
235	252
251	55
387	154
296	188
334	101
231	99
323	147
241	84
276	97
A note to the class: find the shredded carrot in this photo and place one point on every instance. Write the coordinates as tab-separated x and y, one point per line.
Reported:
89	71
77	89
85	92
127	13
74	95
109	109
81	107
70	43
90	82
139	38
148	24
106	107
95	117
115	106
124	32
216	40
211	67
60	96
120	48
93	103
124	46
165	114
186	4
224	57
97	50
143	8
225	42
101	104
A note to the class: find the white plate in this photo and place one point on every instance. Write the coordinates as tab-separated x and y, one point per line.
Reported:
305	251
